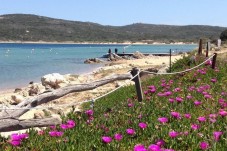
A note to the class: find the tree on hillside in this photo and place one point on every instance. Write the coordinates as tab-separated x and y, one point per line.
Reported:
223	35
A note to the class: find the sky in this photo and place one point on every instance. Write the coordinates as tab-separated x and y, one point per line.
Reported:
124	12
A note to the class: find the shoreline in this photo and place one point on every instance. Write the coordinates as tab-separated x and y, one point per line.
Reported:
121	66
95	43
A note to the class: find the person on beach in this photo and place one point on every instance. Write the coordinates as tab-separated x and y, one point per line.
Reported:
116	50
109	51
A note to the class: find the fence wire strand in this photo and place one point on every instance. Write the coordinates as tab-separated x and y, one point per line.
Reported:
180	71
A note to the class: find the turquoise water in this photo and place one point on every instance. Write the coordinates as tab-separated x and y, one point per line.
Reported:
22	63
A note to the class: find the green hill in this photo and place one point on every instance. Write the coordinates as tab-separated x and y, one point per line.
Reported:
21	27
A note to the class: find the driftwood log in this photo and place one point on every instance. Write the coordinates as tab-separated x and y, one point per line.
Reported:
10	117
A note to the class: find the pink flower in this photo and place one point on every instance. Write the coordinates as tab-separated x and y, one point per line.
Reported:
130	104
71	123
106	139
163	120
152	89
130	131
118	137
171	100
18	137
204	145
223	113
154	147
89	112
217	135
213	115
56	133
179	99
142	125
208	96
195	126
53	127
208	62
175	115
189	97
41	132
160	142
173	134
213	80
168	150
188	116
139	147
64	126
177	89
168	93
197	103
201	119
15	142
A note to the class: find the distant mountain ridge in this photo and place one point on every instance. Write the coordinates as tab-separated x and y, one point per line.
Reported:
25	27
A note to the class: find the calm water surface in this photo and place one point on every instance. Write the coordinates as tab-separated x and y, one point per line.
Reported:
22	63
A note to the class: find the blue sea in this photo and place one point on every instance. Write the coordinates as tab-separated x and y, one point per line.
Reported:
22	63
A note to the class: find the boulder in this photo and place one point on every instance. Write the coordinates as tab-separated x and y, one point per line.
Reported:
138	55
53	80
16	99
39	115
34	89
93	60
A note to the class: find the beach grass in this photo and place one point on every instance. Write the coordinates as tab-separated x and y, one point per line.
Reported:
182	112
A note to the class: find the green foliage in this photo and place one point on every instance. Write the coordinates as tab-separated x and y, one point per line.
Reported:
223	35
37	28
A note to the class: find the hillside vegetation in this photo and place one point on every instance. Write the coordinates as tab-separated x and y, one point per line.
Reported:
21	27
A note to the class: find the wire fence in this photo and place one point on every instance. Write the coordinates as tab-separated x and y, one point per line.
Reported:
99	97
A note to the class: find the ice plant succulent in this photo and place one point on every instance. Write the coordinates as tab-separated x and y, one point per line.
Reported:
154	147
106	139
118	136
139	147
163	119
204	145
201	119
176	115
173	134
195	126
217	135
130	131
142	125
89	112
56	133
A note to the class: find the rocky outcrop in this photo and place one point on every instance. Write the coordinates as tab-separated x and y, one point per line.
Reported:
138	55
35	88
53	80
16	99
93	60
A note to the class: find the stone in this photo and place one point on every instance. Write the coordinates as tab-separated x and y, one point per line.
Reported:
16	98
34	89
53	80
17	90
39	115
93	60
138	55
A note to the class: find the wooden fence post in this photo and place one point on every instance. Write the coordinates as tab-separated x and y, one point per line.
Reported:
200	47
207	49
170	55
214	60
139	91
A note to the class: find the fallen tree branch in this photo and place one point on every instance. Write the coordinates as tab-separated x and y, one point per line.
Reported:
16	124
55	94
